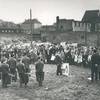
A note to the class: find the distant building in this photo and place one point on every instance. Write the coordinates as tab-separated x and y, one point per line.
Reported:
29	25
9	27
48	28
81	26
92	17
97	27
65	25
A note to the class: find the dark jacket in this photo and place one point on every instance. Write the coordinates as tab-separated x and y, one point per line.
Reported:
26	61
58	59
20	68
4	68
12	62
39	66
95	59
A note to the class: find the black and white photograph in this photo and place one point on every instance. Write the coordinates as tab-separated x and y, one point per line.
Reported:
49	49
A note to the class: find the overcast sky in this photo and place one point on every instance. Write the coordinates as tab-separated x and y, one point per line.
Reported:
45	10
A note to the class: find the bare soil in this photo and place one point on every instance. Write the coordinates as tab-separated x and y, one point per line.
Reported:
74	87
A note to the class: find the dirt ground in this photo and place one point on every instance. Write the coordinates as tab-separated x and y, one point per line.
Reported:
74	87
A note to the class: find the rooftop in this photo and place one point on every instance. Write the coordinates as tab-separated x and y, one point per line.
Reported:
33	21
91	16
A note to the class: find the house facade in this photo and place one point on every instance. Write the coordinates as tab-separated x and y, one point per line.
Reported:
92	17
81	26
65	25
29	25
9	27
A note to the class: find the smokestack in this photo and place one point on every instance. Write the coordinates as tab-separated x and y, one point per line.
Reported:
57	23
31	25
57	19
30	14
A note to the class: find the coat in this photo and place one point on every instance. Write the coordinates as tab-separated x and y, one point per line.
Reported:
26	61
39	71
12	62
6	79
22	73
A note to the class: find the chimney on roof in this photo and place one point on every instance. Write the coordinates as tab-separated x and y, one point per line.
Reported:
57	18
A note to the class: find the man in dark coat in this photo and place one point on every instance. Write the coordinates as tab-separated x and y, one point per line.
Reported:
68	57
4	68
26	61
58	62
95	59
12	66
21	72
39	71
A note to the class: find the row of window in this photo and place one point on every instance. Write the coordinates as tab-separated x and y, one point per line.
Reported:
10	31
81	24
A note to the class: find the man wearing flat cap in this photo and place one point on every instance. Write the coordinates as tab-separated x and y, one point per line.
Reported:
39	66
5	72
95	61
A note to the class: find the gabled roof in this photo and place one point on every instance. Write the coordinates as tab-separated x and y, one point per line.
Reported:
91	16
33	21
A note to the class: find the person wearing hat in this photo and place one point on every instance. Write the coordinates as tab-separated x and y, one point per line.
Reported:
26	62
5	72
58	62
12	66
39	71
21	72
95	61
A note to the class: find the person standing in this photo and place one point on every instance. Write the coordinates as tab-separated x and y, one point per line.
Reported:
21	72
95	59
12	66
4	73
39	66
26	62
58	62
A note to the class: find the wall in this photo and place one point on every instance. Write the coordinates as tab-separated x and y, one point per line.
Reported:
79	37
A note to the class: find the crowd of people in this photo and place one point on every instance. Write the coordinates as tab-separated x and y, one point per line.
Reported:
16	58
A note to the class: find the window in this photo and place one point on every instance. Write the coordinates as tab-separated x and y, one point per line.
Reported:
2	30
61	27
75	23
